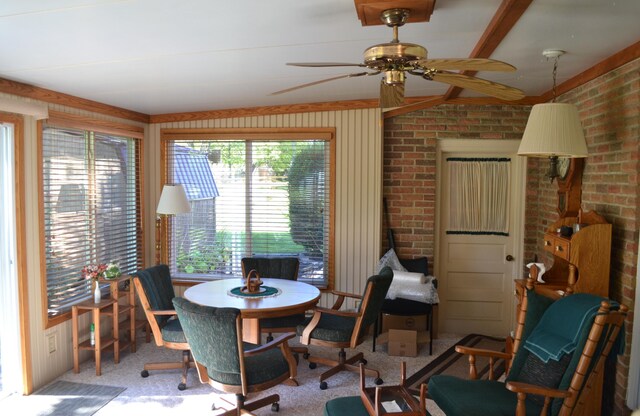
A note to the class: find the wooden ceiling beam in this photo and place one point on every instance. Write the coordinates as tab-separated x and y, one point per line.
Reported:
507	15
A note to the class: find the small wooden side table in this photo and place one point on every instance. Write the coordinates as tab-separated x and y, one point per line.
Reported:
109	306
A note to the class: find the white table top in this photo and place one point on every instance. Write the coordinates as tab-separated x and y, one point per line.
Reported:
295	297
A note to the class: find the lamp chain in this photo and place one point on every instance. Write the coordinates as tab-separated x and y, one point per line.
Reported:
555	71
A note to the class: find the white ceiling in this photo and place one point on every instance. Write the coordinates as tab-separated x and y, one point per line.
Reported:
167	56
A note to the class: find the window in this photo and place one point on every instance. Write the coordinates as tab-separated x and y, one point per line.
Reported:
91	202
251	194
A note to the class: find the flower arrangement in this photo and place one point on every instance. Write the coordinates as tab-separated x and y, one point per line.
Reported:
101	270
94	271
112	271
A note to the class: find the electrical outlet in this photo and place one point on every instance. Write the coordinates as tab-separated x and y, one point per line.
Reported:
51	339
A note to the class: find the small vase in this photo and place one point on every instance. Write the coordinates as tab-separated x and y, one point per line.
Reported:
97	294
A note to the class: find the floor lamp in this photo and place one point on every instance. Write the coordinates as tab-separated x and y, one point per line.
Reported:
173	200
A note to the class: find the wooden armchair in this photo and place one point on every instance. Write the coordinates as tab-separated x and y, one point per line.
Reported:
155	290
344	329
569	385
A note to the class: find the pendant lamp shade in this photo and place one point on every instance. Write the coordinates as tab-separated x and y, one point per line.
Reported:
553	129
173	200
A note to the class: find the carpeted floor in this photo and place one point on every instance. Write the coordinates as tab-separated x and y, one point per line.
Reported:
158	394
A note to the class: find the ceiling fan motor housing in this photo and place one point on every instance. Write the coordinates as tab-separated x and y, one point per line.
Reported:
393	55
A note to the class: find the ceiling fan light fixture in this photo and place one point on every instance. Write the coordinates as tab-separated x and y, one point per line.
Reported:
394	77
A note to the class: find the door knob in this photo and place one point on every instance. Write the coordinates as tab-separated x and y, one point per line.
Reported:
509	257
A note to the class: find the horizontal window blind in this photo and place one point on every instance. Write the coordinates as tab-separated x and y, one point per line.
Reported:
248	198
91	192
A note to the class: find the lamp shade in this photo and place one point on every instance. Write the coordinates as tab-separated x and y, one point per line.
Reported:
173	200
553	129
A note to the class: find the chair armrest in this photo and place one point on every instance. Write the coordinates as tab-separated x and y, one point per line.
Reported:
493	357
482	352
270	345
346	294
164	312
315	319
341	296
522	389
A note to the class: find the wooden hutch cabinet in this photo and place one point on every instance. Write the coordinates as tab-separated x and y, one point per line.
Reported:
588	249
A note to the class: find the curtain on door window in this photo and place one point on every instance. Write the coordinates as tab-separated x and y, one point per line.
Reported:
92	211
479	195
250	198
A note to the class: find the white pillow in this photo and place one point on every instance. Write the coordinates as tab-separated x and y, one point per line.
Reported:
390	259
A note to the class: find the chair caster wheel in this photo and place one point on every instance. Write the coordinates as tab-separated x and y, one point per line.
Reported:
323	385
144	374
182	386
363	361
275	407
214	407
306	355
378	381
312	365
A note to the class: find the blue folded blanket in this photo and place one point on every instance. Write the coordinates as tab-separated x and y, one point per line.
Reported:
558	329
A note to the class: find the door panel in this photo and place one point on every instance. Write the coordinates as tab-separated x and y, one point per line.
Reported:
474	276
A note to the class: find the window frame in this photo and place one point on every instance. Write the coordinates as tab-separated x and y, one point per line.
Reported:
65	120
247	134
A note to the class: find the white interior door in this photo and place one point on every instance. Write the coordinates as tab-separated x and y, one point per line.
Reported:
475	270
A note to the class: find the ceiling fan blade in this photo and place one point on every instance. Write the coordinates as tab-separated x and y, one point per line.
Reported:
323	64
391	95
484	86
468	64
309	84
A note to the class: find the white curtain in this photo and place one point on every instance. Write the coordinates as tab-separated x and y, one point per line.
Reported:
9	326
479	195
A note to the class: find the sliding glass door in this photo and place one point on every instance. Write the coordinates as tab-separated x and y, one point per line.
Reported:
10	362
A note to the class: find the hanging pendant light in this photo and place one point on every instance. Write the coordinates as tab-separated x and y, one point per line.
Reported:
553	129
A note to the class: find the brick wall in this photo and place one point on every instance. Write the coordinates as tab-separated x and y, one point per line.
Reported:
609	110
610	115
410	164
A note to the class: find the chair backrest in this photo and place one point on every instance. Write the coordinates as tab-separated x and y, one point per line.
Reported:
581	328
272	267
375	291
417	265
154	287
212	334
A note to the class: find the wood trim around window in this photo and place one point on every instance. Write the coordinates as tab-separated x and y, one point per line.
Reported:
21	246
60	119
326	133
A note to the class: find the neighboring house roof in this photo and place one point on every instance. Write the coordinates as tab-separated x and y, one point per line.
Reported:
193	172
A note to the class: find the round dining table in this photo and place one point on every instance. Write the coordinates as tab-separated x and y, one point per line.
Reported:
291	297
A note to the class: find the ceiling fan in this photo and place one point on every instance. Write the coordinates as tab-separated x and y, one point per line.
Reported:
394	59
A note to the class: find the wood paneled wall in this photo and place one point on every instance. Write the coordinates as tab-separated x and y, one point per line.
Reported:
358	183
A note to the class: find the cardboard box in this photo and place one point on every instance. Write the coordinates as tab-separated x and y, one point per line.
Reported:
414	323
403	343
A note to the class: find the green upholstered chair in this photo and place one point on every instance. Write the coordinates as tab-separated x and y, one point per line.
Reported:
155	290
227	363
559	353
344	329
275	268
